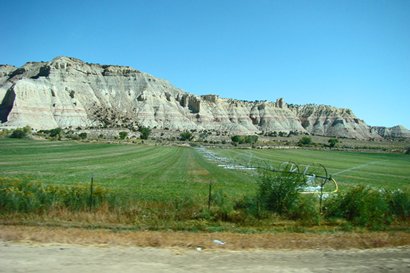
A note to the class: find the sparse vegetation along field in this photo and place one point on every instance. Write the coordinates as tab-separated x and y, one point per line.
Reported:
164	187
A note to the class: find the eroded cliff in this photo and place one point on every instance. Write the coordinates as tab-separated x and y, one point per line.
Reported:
67	92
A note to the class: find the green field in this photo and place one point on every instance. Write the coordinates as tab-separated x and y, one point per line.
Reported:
151	172
147	172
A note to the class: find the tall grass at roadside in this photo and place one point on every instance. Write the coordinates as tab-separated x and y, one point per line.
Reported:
359	206
31	196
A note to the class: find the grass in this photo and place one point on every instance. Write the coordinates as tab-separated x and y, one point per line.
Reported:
143	172
162	172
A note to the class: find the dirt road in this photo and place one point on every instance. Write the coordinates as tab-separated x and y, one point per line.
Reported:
36	257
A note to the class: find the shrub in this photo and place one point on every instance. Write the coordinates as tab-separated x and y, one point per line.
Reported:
123	135
362	206
56	132
306	210
279	191
145	132
236	139
250	139
18	133
185	136
399	203
332	142
304	141
82	135
27	129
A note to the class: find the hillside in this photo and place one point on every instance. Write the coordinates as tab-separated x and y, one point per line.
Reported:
67	92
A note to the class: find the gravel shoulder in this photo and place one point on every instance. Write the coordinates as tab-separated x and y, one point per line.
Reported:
64	249
37	257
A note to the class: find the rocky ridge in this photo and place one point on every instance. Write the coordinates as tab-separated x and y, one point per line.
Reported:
67	92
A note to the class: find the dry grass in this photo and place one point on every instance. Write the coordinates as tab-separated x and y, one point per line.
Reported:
233	241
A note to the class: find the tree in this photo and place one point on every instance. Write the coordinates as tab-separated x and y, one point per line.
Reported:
332	142
123	135
304	141
145	132
185	136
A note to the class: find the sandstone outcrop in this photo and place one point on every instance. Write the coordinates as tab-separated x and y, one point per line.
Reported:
69	93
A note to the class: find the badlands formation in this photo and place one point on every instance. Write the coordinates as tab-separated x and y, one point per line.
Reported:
69	93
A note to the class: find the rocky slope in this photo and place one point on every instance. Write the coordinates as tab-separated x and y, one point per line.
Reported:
67	92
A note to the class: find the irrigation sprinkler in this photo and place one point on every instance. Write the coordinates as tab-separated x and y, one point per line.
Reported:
316	175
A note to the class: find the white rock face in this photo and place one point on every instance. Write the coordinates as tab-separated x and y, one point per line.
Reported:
67	92
398	131
326	120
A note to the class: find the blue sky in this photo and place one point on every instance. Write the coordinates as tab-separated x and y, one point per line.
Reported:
353	54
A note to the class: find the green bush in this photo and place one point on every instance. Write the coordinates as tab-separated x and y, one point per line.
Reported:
236	139
306	210
145	132
305	141
185	136
56	132
332	142
399	203
123	135
82	135
18	133
279	191
362	206
250	139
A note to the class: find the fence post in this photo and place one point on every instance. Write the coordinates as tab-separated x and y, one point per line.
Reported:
91	193
210	195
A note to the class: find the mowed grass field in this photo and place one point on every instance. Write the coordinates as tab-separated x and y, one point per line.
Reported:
162	172
141	171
